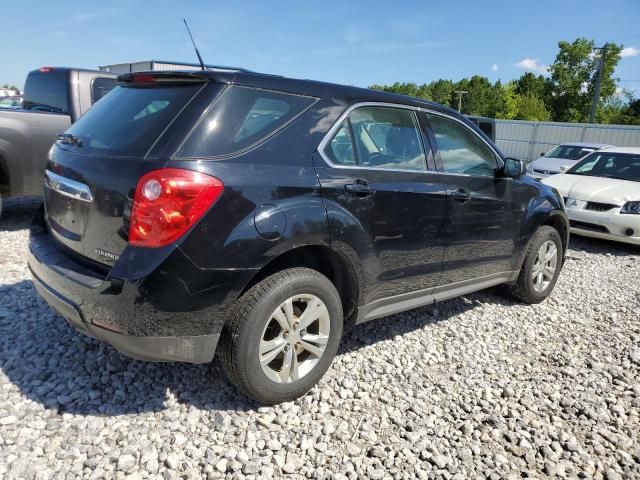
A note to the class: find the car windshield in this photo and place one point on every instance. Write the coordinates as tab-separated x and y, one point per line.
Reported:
569	152
623	166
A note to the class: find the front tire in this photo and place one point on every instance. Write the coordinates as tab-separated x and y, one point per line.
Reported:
541	266
282	335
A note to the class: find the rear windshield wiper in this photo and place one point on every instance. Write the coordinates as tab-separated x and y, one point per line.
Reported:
69	139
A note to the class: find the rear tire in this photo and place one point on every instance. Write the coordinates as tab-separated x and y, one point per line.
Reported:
269	349
536	280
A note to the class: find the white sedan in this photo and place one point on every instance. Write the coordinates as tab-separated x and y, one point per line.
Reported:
602	194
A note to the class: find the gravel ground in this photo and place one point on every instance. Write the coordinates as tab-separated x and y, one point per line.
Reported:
479	386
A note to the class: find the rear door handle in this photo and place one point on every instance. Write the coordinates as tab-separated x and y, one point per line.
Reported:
360	189
460	195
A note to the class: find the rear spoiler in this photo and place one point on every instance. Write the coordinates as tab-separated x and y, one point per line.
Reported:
150	78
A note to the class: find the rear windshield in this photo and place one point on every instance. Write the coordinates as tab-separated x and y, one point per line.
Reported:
128	121
240	118
47	91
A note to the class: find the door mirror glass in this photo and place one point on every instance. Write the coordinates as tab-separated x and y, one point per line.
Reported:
514	168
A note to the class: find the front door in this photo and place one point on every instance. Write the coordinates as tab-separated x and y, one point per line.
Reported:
385	206
483	219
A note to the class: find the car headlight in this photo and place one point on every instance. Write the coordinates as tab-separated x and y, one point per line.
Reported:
631	207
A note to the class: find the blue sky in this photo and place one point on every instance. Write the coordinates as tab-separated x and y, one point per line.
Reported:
357	43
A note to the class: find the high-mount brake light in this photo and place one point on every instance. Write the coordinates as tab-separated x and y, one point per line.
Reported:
143	78
168	202
46	69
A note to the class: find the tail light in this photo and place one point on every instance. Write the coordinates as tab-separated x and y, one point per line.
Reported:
168	202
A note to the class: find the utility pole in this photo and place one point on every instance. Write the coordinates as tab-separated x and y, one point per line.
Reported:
596	90
460	93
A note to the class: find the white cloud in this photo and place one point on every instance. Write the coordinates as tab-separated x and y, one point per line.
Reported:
629	52
494	67
532	64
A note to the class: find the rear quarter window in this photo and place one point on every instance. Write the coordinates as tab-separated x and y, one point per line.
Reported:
240	118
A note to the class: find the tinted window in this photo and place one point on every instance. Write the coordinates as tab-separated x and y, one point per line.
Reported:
47	91
387	138
624	166
461	150
240	118
129	120
100	87
340	149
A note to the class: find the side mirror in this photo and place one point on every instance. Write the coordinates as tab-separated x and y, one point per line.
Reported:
514	168
542	154
564	168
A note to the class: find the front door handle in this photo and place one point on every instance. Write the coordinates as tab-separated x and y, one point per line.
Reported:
460	195
360	189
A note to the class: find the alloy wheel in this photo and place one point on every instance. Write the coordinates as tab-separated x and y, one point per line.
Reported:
545	266
294	338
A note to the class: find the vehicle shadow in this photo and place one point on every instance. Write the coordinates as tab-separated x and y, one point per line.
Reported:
53	364
16	214
56	366
600	246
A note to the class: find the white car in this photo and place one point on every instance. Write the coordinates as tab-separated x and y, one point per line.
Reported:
602	194
563	156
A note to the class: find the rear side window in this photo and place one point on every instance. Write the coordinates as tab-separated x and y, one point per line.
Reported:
47	91
240	118
384	137
461	150
127	122
100	86
340	149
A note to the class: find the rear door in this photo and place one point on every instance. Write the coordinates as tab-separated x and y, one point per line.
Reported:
92	174
483	218
385	204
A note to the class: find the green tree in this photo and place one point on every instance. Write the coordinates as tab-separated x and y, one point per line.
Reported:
573	77
532	108
482	97
441	91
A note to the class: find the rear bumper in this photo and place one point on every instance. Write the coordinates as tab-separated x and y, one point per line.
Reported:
195	349
175	313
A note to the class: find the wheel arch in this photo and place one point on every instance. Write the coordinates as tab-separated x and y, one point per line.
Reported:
332	264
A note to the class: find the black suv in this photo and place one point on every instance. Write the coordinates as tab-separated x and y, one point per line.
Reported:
255	215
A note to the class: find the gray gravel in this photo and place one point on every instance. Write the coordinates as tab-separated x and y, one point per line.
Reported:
476	387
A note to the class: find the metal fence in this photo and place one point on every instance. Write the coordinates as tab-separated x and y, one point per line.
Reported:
528	140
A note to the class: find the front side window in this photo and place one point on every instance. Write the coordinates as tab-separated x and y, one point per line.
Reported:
461	150
240	118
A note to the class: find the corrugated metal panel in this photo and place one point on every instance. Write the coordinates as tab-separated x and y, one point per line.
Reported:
527	140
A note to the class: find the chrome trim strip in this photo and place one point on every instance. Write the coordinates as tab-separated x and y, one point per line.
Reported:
334	128
67	187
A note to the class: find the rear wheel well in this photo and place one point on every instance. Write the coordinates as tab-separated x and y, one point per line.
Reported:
321	259
558	223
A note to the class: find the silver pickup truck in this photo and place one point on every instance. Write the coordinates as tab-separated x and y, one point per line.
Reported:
54	98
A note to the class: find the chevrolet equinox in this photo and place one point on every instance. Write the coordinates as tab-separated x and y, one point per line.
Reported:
255	215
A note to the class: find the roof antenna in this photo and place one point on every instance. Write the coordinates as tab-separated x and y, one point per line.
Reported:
194	45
